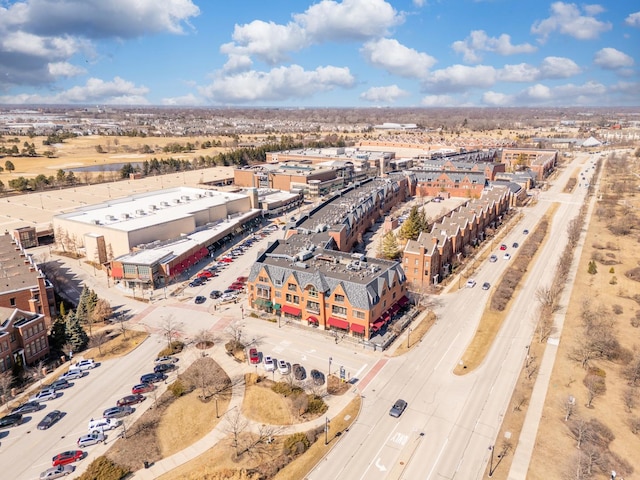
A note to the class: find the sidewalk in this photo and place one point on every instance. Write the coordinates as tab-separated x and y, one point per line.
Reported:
236	372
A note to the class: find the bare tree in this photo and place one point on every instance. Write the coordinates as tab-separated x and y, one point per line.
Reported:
101	311
629	397
37	372
204	339
574	229
548	298
236	426
236	331
97	340
261	442
171	329
6	380
580	431
632	370
569	406
206	376
595	387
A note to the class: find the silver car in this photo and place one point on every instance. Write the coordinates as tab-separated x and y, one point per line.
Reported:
44	395
91	439
398	408
117	412
57	472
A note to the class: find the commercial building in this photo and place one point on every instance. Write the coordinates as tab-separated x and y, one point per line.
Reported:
23	338
540	161
22	284
318	287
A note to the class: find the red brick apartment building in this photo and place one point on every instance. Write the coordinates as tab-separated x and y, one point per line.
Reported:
23	338
22	284
430	258
542	162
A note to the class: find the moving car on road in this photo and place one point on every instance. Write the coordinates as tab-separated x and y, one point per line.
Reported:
471	283
493	258
503	247
507	256
67	457
398	408
50	419
486	286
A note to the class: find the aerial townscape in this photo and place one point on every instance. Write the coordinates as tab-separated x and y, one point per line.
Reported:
335	239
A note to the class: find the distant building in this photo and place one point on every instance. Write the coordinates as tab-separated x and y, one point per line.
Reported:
23	338
22	284
542	162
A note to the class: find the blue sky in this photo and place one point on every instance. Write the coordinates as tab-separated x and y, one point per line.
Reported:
327	53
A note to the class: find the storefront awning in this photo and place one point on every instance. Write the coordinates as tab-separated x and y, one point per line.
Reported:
377	325
338	323
276	306
403	301
357	328
296	312
313	320
268	303
260	302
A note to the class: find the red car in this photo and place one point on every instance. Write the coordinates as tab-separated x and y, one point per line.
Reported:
65	458
503	247
236	286
205	274
130	400
143	388
254	356
242	279
226	260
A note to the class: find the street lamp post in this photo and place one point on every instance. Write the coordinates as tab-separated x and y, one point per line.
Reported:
491	447
326	430
330	360
408	335
217	415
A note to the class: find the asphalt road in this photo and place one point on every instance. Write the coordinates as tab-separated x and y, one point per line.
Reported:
451	421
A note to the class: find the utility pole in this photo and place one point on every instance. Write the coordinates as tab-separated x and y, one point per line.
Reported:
326	430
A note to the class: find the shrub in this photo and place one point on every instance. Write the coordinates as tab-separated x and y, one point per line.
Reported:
593	269
613	281
296	444
316	405
177	388
612	270
104	469
617	309
285	389
176	347
634	423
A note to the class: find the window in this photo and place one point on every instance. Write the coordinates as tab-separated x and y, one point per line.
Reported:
288	297
394	295
278	294
12	301
292	287
13	337
130	269
313	293
417	261
313	306
263	279
338	310
358	314
339	298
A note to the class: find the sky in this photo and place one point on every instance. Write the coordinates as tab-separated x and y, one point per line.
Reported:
324	53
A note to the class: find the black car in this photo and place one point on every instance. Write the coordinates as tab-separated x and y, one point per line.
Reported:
515	245
50	418
164	367
196	282
299	373
200	299
215	294
152	377
11	420
27	407
317	377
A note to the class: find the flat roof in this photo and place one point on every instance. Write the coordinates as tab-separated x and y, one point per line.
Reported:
14	272
142	210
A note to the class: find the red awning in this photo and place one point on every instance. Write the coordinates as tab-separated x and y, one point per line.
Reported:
338	323
403	301
377	324
313	320
357	328
204	251
394	309
296	312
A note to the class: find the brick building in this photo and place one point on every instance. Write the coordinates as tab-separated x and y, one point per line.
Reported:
23	338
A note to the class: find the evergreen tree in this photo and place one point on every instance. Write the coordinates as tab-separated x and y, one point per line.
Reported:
58	335
389	247
410	229
63	310
422	220
76	336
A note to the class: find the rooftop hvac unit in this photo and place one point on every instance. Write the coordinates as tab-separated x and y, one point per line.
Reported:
198	195
110	218
95	221
176	200
164	204
185	198
124	216
209	193
140	212
153	207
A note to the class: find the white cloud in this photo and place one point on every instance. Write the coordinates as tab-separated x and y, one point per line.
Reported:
419	3
479	41
115	92
282	83
268	41
496	99
558	67
395	58
185	100
611	59
388	94
38	46
460	77
633	20
439	101
65	69
522	72
569	94
328	20
566	19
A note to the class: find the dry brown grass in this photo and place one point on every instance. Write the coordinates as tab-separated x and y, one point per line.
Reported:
416	335
263	405
117	346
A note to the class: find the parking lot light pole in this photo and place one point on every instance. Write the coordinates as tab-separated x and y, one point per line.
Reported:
326	430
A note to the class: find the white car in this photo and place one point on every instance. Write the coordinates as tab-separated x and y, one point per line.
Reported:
269	364
44	395
167	359
507	256
73	374
471	283
283	367
83	365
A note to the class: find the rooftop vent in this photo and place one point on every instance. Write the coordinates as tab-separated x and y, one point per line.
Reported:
176	200
153	207
301	265
164	204
95	221
124	216
140	212
110	218
185	198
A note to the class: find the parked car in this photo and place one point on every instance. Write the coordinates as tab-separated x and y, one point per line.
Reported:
73	374
503	247
299	373
507	256
196	282
164	367
67	457
91	439
132	399
471	283
242	279
398	408
215	294
143	388
61	384
11	420
57	472
117	412
200	299
152	377
284	367
493	258
87	364
515	245
102	424
50	419
27	407
254	356
205	274
317	376
44	395
166	359
236	287
229	297
269	364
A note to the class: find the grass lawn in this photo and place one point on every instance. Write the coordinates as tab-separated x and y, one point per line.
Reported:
263	405
117	346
